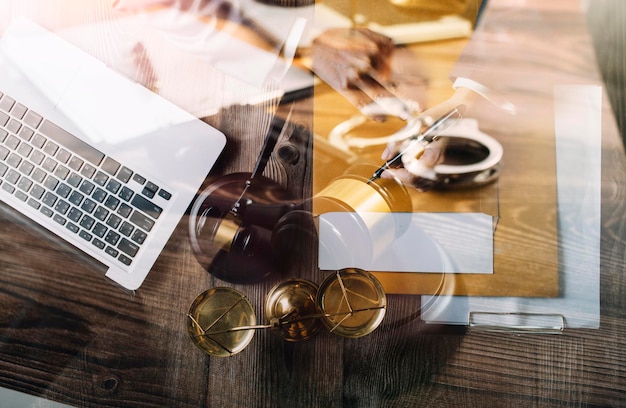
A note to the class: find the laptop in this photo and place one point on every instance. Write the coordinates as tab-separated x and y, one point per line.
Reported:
97	159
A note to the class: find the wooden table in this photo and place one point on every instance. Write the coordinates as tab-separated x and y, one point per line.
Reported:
85	342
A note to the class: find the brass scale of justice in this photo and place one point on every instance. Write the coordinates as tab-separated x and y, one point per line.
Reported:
233	237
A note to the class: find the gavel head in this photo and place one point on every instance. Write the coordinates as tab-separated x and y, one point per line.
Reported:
231	224
353	191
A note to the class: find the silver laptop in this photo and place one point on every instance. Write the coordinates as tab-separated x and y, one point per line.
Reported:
100	161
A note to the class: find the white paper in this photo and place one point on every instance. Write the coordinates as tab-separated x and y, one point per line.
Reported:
195	65
407	242
578	123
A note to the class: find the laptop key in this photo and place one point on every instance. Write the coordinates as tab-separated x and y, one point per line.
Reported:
63	156
59	220
8	188
21	195
99	195
100	178
114	221
62	172
87	222
64	190
146	206
75	163
85	235
34	203
150	189
142	221
14	160
33	119
76	198
74	180
39	175
125	260
26	133
98	244
113	186
13	176
49	165
139	179
101	213
72	227
110	166
37	157
51	183
124	210
13	126
112	237
46	211
49	199
37	191
88	205
128	247
99	230
124	174
62	207
18	111
26	168
6	103
25	184
74	214
139	236
87	187
71	142
126	193
51	148
112	251
166	195
126	228
88	170
112	203
12	142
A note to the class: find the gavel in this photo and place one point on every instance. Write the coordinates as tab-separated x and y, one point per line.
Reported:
244	227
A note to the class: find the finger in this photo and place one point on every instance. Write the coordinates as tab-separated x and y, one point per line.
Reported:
385	98
398	140
421	160
403	177
392	148
400	175
362	97
433	155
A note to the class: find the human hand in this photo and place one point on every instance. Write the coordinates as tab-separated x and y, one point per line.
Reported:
419	160
356	62
343	55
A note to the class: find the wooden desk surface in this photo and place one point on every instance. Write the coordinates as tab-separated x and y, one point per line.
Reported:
87	343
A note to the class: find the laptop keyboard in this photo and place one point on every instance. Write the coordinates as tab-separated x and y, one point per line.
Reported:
102	202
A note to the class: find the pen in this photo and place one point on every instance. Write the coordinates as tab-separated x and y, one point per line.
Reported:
428	136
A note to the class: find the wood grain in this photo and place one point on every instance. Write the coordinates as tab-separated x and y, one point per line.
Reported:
67	334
